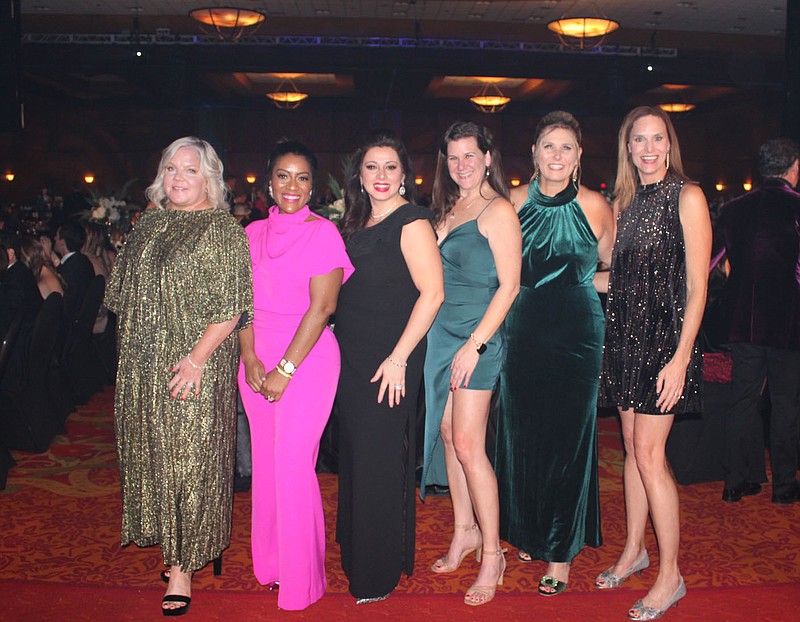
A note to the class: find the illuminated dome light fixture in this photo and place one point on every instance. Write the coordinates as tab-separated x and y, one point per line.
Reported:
287	96
228	23
9	175
583	33
489	98
677	107
89	178
251	179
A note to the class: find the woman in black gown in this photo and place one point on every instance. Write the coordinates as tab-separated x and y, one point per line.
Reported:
384	311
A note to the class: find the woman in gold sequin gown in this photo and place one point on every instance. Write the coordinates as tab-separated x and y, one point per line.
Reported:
179	287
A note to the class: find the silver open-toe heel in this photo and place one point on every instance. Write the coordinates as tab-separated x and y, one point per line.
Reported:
607	580
640	612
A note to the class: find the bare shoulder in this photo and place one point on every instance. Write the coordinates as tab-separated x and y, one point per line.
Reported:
593	201
692	198
519	195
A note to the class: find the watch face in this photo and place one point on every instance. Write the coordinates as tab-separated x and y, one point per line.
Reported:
288	367
482	349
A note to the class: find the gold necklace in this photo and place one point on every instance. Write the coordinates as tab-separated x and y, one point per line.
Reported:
386	213
468	207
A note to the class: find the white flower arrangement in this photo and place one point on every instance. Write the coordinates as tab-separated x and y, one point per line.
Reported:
113	210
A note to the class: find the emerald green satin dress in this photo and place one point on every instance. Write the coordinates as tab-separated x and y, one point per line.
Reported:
546	460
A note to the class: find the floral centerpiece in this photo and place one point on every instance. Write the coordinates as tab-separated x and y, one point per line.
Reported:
334	210
114	210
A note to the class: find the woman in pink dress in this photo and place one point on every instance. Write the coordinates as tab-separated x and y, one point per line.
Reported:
288	376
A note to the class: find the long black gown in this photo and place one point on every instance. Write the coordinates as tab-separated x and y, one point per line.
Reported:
376	518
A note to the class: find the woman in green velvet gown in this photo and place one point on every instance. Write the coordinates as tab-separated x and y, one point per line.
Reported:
546	459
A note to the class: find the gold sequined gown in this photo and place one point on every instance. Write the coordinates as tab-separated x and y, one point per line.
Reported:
178	272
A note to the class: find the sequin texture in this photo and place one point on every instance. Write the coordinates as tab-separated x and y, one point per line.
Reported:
647	302
178	272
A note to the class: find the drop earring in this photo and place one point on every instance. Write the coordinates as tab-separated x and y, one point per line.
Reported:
487	172
535	172
667	160
270	191
361	183
402	191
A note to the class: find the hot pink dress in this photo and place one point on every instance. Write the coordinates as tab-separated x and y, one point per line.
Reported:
288	527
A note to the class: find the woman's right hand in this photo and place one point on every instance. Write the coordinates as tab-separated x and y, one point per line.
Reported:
254	372
464	363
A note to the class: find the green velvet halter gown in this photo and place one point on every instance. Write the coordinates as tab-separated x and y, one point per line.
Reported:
546	459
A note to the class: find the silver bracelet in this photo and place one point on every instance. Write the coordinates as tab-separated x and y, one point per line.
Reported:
395	363
189	358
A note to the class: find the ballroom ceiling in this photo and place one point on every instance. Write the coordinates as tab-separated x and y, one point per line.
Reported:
394	54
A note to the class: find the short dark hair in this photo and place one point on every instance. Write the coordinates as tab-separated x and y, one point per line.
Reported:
293	147
776	156
73	234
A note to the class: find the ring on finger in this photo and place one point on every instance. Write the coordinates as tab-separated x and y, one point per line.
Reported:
270	398
398	387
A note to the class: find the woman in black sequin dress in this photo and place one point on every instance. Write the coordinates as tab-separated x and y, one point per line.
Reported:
652	363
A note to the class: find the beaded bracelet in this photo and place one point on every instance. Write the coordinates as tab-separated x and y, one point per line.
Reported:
395	363
189	358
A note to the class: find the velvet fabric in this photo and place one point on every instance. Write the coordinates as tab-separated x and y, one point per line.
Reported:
761	232
546	460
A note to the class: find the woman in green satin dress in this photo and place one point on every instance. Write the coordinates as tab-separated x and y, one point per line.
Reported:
480	244
546	457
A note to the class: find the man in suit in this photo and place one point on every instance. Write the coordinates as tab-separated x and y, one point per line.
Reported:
762	304
75	268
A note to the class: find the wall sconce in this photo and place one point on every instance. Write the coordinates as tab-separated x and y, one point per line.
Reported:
251	179
719	186
748	186
9	176
418	180
515	181
88	178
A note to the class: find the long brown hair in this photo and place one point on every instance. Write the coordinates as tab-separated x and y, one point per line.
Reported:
32	254
627	175
445	190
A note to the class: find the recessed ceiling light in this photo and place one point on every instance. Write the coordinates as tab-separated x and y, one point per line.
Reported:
322	12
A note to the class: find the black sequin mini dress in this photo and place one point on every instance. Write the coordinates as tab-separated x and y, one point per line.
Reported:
647	303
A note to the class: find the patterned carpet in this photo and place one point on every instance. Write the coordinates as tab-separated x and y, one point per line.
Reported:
59	522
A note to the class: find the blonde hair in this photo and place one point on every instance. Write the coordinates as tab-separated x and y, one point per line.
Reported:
627	175
210	168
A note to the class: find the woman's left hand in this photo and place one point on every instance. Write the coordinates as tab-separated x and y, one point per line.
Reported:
273	386
393	381
670	384
186	379
464	363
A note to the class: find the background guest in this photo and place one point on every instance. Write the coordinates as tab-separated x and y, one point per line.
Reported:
762	303
652	364
384	311
288	376
17	285
34	255
480	243
179	286
75	267
547	437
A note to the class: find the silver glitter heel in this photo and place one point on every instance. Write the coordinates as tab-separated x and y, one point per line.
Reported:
375	599
640	612
611	581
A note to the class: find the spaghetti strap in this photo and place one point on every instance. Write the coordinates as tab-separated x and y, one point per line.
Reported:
485	206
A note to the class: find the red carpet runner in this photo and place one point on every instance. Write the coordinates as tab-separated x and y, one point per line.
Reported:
60	557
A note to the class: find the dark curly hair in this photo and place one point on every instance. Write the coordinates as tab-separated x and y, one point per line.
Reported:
357	204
